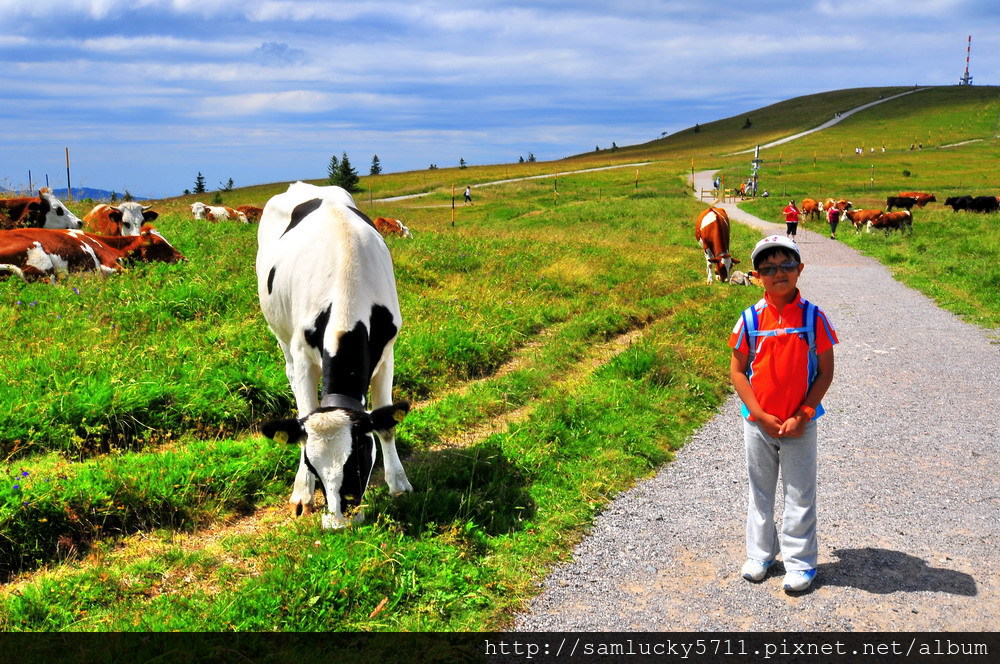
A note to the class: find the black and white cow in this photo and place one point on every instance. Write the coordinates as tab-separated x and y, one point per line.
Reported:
327	290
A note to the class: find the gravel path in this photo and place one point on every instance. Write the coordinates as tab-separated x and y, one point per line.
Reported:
909	488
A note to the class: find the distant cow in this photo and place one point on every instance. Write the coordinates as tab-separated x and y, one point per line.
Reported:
900	220
903	202
44	253
922	198
984	204
711	231
840	204
811	208
861	217
217	213
957	203
42	211
250	212
327	290
391	227
124	219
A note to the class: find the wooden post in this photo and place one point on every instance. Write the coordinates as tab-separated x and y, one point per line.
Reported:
637	178
453	205
69	188
555	191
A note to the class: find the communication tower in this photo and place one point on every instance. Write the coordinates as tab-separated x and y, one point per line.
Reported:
967	79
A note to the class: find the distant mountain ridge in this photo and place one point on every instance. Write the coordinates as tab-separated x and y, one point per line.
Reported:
80	193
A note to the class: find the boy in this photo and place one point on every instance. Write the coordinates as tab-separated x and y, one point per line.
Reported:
781	381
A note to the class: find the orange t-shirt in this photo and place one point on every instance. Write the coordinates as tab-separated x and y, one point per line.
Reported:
780	371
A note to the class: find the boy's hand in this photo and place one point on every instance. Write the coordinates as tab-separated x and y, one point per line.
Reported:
771	424
794	426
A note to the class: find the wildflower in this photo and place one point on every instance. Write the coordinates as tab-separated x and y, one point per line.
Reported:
17	487
24	473
76	290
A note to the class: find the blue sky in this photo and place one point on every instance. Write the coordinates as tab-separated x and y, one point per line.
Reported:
147	93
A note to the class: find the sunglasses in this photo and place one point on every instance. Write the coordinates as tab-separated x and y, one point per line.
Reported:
771	270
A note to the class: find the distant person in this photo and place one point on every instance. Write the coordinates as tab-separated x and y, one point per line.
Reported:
781	367
833	218
791	219
468	195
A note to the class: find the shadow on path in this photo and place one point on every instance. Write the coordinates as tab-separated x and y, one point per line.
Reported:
882	572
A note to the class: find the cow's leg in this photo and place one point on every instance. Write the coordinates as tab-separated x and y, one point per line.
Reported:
381	390
708	267
303	377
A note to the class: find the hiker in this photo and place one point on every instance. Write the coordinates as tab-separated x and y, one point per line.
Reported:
468	195
833	218
781	367
791	219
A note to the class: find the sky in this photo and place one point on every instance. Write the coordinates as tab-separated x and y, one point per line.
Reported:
146	94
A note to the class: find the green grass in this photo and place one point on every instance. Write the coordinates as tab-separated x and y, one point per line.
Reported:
131	402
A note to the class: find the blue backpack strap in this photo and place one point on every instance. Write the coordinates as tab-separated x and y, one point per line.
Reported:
750	323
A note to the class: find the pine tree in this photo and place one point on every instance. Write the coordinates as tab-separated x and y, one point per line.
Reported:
346	176
462	164
199	184
331	170
376	168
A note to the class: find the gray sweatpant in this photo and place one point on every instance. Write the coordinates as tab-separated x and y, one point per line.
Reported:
797	460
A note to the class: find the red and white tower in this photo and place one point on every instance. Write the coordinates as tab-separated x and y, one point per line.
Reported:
967	79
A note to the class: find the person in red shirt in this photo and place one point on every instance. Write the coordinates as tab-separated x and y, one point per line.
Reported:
791	219
781	367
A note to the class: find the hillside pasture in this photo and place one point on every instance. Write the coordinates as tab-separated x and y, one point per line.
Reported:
558	343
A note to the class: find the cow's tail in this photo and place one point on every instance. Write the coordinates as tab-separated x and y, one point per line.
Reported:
7	267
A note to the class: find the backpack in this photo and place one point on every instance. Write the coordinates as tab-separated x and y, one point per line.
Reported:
809	317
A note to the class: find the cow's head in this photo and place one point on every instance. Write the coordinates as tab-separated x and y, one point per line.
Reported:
723	265
131	216
338	444
198	210
151	246
53	214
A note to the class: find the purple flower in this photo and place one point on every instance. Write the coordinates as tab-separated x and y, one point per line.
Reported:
24	473
17	487
76	290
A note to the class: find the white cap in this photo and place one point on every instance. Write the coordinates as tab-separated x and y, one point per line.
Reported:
775	241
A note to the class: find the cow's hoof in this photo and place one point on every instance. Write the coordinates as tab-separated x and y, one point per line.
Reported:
334	521
299	508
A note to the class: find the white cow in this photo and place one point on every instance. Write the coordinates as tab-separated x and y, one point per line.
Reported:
217	212
327	290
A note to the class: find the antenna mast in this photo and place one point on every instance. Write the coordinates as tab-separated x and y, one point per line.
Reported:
967	80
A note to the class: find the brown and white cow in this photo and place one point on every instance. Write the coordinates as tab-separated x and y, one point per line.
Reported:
841	204
861	217
711	230
124	219
42	211
810	207
922	198
889	221
46	253
327	290
391	227
251	212
217	213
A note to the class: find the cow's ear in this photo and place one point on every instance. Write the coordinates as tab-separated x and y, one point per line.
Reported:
715	260
149	215
283	431
386	417
734	261
116	216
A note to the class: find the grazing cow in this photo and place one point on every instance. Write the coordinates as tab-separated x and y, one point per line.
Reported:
38	253
42	211
811	208
984	204
711	230
250	212
840	204
391	227
124	219
957	203
216	212
922	198
327	290
904	202
860	217
890	221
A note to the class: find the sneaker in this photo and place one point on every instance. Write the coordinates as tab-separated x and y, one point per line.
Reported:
799	580
756	570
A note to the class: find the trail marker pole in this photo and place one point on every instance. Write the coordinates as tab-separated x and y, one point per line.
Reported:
453	205
69	189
